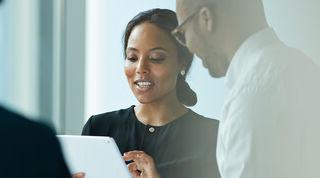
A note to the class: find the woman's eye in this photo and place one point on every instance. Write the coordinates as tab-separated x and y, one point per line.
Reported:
131	59
157	58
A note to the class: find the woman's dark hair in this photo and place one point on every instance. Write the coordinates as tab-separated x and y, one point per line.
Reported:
167	20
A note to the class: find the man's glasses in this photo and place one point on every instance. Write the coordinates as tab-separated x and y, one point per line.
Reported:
179	33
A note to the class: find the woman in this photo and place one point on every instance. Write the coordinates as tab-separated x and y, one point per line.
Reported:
159	137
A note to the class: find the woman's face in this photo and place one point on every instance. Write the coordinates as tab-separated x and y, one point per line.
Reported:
151	65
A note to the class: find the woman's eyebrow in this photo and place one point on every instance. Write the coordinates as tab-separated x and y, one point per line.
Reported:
158	48
131	49
152	49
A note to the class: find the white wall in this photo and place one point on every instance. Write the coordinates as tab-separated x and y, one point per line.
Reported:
19	56
106	85
297	24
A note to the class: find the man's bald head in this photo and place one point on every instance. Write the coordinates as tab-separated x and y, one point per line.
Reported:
185	7
194	3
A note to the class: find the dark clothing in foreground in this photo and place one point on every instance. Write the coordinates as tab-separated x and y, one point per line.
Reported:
29	149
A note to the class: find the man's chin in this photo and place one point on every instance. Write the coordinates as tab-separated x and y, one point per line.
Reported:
215	74
213	71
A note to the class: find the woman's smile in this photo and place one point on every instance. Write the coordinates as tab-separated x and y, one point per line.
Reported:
144	85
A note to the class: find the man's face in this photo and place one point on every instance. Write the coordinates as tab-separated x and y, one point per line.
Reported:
205	44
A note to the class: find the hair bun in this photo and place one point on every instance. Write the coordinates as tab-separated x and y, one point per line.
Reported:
184	93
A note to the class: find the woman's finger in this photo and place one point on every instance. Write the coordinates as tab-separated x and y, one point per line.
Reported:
133	155
142	166
140	157
133	169
78	175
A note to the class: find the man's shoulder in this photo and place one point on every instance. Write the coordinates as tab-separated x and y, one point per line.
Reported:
277	63
281	58
15	125
30	149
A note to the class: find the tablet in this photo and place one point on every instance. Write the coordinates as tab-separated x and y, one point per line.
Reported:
98	157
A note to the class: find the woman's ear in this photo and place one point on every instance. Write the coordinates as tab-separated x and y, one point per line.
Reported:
205	19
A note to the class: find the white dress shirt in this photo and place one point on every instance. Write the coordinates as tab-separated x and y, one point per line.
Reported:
271	117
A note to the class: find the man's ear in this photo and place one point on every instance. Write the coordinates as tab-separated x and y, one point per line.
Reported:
206	19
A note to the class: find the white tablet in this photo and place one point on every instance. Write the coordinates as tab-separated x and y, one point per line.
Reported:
98	157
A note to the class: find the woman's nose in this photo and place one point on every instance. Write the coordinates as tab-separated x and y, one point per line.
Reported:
142	66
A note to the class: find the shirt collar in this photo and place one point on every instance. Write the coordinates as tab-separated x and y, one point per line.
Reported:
253	44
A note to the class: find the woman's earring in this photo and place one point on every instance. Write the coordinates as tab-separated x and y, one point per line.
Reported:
183	72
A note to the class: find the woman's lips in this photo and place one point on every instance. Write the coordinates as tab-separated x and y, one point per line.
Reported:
144	85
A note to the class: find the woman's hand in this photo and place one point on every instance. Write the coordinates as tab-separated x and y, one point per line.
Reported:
142	166
78	175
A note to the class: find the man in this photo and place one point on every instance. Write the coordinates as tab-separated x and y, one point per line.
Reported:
271	115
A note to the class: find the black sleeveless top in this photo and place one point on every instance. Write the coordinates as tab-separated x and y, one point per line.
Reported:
183	148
